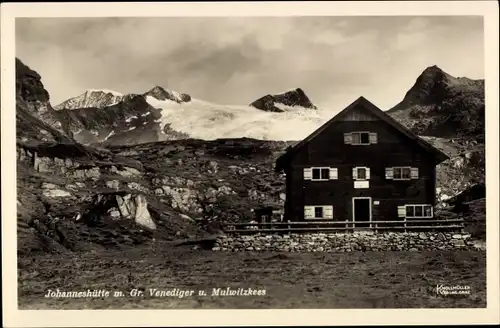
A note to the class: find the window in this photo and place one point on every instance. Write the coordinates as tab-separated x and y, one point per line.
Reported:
361	173
410	211
321	173
418	211
428	211
401	173
318	212
360	138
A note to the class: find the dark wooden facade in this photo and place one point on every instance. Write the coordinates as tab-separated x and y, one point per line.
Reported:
378	197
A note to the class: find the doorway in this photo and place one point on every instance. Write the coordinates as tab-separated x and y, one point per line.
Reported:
361	211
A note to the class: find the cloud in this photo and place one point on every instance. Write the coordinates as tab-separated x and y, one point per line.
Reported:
235	60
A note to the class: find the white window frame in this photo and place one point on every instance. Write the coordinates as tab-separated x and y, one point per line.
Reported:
332	173
423	211
400	168
360	143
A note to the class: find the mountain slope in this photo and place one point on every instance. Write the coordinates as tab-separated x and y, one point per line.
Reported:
441	105
35	118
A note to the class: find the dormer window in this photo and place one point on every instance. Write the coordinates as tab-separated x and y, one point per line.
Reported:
360	138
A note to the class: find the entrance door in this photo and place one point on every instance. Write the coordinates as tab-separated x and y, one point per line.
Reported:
361	211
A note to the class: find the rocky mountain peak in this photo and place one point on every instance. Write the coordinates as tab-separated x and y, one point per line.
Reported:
439	104
95	98
277	103
29	87
90	92
160	93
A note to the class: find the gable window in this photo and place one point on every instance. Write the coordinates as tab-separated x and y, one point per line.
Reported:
401	173
415	211
360	138
320	173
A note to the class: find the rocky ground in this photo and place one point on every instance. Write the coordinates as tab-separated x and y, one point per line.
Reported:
90	197
290	280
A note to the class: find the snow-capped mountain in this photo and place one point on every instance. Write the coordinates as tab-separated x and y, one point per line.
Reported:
161	114
92	98
103	98
163	94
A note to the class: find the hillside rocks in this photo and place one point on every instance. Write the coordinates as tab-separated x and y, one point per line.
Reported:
53	191
71	168
135	207
292	98
349	242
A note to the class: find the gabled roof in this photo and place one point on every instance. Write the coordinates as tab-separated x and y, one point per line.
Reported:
292	150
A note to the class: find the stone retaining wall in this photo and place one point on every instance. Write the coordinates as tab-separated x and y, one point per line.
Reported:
348	242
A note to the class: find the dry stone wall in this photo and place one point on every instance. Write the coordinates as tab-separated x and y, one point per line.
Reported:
348	242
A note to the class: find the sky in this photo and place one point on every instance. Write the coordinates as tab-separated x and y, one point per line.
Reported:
236	60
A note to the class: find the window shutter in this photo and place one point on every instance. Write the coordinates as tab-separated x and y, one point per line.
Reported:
401	211
308	173
334	173
308	212
373	138
389	173
414	172
367	173
328	212
347	138
355	173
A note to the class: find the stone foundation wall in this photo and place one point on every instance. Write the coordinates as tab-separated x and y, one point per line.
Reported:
348	242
